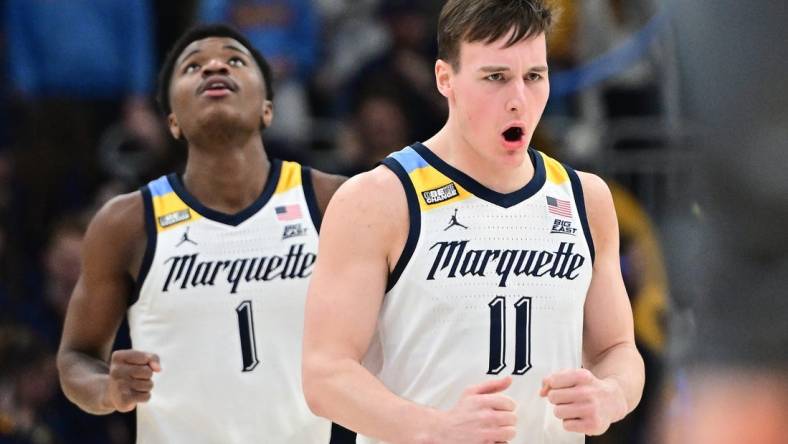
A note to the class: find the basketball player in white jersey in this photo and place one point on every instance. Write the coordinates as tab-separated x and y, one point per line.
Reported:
476	294
211	268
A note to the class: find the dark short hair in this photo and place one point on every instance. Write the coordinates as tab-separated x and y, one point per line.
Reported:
198	33
488	21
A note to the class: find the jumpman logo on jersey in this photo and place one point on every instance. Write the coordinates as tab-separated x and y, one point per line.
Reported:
185	238
453	222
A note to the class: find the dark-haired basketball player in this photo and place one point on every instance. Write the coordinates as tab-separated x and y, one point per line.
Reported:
211	268
476	294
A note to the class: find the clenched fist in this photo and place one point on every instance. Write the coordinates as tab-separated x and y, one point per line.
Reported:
585	403
130	379
483	415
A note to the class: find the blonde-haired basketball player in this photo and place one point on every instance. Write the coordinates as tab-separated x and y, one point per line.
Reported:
469	289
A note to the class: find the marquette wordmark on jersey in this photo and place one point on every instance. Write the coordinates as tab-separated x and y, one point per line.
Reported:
457	260
187	271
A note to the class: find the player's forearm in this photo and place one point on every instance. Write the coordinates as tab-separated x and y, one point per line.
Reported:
347	393
623	366
84	380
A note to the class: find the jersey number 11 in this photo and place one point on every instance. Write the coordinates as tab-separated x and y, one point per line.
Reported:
522	338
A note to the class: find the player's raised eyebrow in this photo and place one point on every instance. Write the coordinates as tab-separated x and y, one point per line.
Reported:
242	50
494	68
539	68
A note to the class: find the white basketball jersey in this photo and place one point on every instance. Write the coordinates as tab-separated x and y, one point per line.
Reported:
488	285
221	301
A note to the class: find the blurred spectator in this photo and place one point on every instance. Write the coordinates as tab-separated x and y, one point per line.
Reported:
33	410
286	32
378	128
74	68
352	36
28	382
406	69
62	263
42	308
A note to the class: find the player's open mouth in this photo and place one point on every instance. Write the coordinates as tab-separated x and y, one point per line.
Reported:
216	86
513	134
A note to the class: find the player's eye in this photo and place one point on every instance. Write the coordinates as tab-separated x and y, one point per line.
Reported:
236	61
495	77
533	76
190	68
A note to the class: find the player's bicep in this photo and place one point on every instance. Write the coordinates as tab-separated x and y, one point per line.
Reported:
608	315
350	275
99	299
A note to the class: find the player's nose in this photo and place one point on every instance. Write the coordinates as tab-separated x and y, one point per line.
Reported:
215	66
515	102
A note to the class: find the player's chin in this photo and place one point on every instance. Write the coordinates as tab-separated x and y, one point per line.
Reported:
219	113
513	158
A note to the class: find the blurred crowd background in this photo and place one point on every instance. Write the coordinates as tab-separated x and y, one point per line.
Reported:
353	82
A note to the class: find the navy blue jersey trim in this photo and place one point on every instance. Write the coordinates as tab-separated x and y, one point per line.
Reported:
577	190
150	245
341	435
502	200
224	218
311	198
415	221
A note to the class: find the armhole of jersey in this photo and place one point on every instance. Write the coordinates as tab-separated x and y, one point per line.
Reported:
577	191
310	196
415	221
150	245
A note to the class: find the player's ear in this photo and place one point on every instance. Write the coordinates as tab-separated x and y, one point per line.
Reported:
443	77
175	128
268	113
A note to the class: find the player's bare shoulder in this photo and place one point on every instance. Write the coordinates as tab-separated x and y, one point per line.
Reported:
377	194
599	207
117	231
373	202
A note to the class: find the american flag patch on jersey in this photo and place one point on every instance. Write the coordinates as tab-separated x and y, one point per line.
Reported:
559	207
288	212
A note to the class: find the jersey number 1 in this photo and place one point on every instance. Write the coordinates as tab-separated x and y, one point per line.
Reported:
246	329
522	342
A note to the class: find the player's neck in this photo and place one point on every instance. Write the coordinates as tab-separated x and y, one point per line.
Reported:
499	175
227	180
